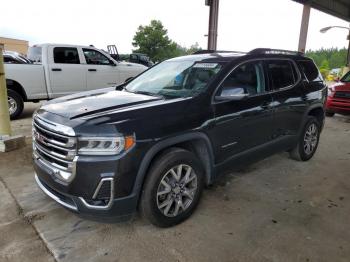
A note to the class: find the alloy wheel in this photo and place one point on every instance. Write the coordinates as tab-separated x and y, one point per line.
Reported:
310	139
12	104
176	190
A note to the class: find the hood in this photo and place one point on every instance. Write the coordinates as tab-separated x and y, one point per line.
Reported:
96	101
341	86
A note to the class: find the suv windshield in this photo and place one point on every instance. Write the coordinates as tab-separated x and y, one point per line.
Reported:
174	79
346	78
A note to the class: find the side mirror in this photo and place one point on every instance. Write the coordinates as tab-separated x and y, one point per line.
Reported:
232	93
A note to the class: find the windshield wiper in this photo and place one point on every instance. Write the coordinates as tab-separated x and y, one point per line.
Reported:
147	93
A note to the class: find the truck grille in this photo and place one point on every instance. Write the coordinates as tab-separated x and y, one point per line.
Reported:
54	148
342	94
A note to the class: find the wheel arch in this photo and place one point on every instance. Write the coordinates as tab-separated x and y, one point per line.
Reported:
197	142
17	87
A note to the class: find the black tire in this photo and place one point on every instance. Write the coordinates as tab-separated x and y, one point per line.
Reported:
158	171
301	152
17	101
329	114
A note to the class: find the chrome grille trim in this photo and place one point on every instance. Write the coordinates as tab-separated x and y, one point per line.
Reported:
55	149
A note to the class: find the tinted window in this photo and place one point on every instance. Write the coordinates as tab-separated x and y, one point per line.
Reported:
66	55
281	73
247	79
310	70
10	60
346	77
94	57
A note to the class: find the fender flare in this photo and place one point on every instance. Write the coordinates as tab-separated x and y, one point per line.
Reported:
307	112
166	143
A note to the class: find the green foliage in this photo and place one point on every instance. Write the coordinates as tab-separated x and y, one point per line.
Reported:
328	58
153	41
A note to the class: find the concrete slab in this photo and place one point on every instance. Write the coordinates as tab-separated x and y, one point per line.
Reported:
18	239
275	210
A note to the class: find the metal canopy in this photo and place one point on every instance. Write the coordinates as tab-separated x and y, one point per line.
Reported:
338	8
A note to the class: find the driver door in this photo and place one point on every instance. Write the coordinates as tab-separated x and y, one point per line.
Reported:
243	113
100	70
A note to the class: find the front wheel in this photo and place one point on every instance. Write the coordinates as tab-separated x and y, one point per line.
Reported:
15	103
173	188
308	140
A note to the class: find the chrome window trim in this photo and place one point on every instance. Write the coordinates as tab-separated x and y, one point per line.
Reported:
213	102
54	197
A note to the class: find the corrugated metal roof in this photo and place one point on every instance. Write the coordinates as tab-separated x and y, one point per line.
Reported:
338	8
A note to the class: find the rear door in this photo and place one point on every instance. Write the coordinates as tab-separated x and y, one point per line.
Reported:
287	95
100	70
244	124
66	73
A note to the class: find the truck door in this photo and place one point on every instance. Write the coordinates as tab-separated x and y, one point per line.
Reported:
100	70
66	74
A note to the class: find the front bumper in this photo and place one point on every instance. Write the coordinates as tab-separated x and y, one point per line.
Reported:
87	203
338	105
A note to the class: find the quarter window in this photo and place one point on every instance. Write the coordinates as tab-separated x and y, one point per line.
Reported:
66	55
94	57
246	79
281	74
310	71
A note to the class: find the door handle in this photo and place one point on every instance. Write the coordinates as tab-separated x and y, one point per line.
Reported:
92	70
56	69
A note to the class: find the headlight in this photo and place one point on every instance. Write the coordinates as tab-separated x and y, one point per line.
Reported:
104	145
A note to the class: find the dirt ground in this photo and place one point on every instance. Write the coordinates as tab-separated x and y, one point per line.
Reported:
275	210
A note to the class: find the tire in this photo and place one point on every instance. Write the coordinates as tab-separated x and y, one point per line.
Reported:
329	114
15	104
160	209
301	151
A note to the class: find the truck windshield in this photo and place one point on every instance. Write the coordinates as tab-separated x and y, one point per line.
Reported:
174	79
34	54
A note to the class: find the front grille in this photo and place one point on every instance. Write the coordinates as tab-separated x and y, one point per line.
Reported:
54	148
342	94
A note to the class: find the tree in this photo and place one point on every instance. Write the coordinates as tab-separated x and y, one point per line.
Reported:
154	41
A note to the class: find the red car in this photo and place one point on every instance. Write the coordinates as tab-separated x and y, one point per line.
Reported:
338	100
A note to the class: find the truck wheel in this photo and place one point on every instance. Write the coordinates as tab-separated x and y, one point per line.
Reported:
173	188
15	103
329	113
308	141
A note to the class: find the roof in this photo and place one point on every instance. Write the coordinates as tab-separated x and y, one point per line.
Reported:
338	8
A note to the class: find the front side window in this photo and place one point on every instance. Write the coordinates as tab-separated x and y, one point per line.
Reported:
246	79
66	55
281	74
94	57
35	54
174	79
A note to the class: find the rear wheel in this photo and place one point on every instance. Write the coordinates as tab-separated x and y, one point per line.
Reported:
15	103
173	188
308	141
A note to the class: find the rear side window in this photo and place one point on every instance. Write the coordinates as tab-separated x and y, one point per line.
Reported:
282	74
310	71
66	55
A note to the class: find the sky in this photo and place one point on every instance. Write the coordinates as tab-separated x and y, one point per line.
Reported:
243	25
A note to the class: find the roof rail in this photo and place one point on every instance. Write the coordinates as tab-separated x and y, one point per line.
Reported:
216	51
259	51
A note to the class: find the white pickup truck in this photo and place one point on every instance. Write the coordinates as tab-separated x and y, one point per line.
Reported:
60	70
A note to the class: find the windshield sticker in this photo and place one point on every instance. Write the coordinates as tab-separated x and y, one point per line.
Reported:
205	65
